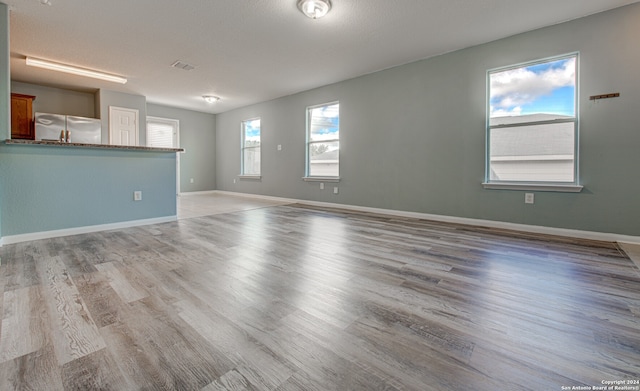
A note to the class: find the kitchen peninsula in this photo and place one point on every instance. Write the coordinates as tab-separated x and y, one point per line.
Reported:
55	189
97	146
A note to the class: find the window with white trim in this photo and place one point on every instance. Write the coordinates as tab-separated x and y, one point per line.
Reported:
532	127
250	149
323	141
162	132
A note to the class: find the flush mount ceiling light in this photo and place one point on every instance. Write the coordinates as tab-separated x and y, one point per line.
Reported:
55	66
314	9
211	98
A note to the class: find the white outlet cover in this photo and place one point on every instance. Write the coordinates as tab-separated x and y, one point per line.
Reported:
137	196
321	186
279	147
529	198
335	190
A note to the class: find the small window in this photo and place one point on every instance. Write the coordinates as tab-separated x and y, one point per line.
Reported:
533	126
251	147
162	132
323	141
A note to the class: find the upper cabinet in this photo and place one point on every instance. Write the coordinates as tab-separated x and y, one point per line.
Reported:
22	116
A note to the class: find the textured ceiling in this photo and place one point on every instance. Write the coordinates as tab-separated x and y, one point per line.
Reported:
249	51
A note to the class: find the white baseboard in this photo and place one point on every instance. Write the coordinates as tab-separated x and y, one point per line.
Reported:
83	230
270	198
572	233
591	235
202	192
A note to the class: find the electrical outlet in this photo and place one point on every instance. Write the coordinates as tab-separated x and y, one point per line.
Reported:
279	147
191	180
321	186
528	198
234	180
137	195
335	190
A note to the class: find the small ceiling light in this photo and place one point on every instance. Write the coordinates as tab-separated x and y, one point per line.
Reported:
211	98
45	2
56	66
314	9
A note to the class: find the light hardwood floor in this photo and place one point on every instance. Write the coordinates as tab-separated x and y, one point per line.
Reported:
207	204
297	298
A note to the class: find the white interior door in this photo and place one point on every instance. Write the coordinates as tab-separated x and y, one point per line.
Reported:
123	126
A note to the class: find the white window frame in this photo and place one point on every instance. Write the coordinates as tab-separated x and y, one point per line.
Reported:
534	185
176	126
317	178
243	174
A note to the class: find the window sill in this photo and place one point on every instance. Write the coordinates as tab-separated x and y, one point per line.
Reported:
533	186
250	177
321	179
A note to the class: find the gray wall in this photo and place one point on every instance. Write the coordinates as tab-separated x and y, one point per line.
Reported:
198	138
51	187
413	137
106	98
58	100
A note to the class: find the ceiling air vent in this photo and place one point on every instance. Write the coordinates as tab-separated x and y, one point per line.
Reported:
182	65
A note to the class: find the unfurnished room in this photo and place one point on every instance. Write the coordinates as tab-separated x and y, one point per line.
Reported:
294	195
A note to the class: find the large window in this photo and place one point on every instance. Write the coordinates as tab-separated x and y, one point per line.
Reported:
162	132
533	126
251	147
165	133
323	141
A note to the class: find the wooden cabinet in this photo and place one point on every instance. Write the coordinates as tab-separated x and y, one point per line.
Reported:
22	116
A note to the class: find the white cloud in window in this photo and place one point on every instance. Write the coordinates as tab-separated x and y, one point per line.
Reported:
514	88
505	112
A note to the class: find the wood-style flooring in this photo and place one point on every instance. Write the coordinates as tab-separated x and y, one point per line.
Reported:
299	298
192	205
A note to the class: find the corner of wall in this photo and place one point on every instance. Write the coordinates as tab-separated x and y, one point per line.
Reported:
5	83
5	70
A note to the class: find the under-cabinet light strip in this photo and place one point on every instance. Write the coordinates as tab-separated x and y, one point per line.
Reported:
35	62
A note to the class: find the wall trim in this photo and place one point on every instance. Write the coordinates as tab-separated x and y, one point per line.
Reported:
201	192
83	230
591	235
538	229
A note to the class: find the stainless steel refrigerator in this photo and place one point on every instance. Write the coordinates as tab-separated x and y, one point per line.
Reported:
81	130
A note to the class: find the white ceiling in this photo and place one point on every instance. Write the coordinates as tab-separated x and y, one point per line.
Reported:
249	51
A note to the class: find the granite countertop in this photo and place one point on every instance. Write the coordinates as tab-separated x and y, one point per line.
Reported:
97	146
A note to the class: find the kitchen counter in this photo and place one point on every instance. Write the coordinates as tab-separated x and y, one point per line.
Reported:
95	146
49	189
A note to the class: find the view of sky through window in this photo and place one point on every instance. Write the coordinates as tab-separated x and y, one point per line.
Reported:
252	130
325	123
323	140
544	88
251	147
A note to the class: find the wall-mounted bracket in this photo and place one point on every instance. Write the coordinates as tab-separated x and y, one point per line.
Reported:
604	96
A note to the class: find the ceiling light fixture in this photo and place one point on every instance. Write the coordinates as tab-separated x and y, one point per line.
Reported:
314	9
211	98
55	66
